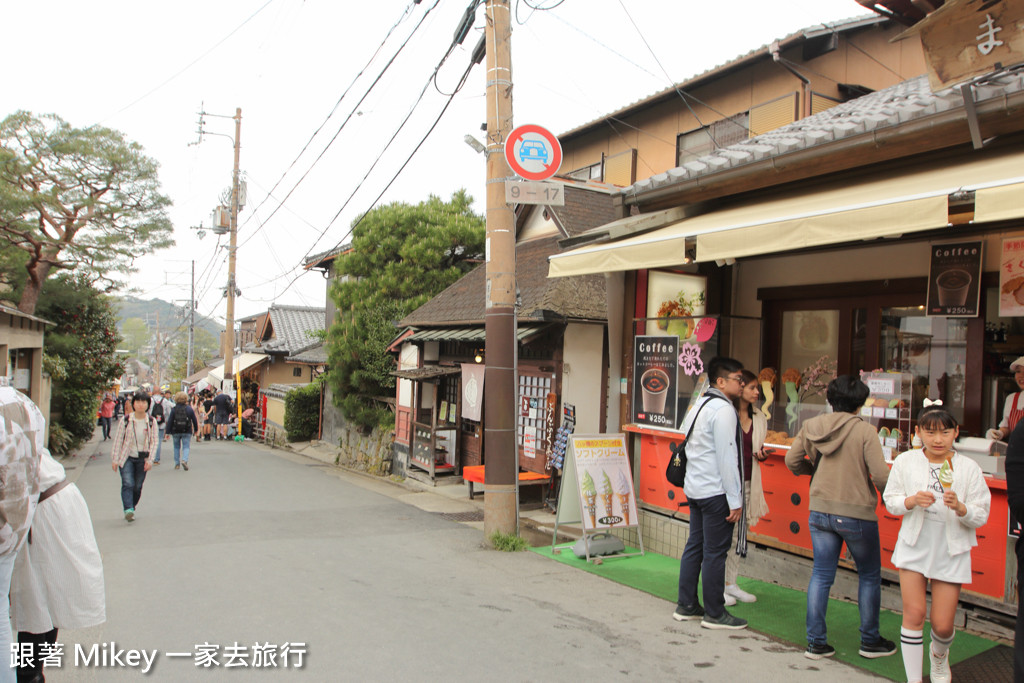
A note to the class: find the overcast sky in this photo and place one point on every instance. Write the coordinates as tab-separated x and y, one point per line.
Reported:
148	68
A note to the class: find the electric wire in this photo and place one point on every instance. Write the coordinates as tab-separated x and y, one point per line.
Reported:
343	124
405	13
189	65
374	203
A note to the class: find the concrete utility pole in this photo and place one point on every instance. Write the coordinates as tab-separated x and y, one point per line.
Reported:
501	506
229	336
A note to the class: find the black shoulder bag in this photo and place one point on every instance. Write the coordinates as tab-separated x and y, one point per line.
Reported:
675	473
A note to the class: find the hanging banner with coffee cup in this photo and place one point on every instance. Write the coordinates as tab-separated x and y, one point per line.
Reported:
954	280
654	380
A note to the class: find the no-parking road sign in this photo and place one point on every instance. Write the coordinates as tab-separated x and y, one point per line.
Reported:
533	152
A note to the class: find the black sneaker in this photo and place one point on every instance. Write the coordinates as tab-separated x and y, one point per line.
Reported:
726	621
683	613
883	648
819	651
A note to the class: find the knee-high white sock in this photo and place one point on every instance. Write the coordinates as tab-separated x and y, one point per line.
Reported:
940	646
912	646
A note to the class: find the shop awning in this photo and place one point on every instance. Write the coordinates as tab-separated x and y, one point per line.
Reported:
239	364
470	334
999	203
886	205
428	372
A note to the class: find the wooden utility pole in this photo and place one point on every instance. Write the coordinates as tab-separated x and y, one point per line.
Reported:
501	504
229	318
191	324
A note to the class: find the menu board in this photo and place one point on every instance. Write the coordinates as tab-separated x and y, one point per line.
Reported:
600	491
954	280
655	367
888	409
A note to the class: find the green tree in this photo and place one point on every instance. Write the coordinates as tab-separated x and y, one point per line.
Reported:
134	335
82	199
204	349
402	255
84	339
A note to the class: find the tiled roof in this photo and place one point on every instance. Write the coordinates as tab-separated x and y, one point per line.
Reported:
321	259
581	298
584	208
291	327
587	204
714	72
888	108
314	356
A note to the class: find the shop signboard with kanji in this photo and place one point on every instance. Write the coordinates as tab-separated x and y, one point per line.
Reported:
965	39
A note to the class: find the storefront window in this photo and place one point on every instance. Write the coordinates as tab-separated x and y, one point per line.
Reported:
932	350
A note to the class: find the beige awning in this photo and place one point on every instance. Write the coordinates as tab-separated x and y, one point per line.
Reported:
883	206
999	203
238	364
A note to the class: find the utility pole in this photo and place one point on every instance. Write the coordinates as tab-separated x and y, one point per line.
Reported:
232	288
191	324
501	504
229	352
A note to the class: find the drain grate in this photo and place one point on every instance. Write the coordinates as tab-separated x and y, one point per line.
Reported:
473	516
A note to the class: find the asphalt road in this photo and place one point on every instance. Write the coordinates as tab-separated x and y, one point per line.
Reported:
253	546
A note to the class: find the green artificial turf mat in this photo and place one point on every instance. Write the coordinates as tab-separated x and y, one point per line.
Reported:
779	611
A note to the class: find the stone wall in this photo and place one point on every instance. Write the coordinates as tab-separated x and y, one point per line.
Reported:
367	452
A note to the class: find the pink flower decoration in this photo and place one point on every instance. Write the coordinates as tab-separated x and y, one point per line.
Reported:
689	360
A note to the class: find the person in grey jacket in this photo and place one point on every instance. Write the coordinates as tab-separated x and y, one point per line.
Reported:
843	457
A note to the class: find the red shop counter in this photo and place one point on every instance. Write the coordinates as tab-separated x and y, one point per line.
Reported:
785	526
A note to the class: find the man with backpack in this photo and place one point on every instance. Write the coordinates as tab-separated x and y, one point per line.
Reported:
714	490
159	409
181	424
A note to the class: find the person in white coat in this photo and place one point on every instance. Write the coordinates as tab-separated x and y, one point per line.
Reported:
942	497
21	439
58	574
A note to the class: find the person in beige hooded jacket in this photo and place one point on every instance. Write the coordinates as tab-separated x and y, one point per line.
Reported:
844	458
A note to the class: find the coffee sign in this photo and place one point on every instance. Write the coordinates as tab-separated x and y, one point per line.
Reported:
954	280
654	380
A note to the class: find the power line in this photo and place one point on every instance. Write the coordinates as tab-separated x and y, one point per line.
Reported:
374	203
340	128
189	65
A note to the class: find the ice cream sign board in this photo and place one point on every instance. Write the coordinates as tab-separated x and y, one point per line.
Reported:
605	484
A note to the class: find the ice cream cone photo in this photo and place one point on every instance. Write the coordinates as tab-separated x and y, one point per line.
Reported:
624	504
946	476
590	495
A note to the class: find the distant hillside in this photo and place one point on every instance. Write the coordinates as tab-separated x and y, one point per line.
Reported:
170	315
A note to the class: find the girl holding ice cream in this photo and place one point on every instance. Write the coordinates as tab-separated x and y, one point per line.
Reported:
943	498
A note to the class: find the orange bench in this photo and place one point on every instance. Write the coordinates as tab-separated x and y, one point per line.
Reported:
475	473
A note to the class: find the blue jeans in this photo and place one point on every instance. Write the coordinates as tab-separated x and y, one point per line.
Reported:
182	443
105	423
828	532
159	443
705	553
133	474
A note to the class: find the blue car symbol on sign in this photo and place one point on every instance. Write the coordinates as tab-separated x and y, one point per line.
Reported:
533	149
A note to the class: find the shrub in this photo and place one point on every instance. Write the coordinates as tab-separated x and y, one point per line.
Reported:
509	543
61	441
302	412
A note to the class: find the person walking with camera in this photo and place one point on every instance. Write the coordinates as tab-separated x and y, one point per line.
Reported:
135	442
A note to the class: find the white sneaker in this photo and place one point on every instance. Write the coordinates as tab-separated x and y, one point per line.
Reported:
739	594
940	667
729	600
